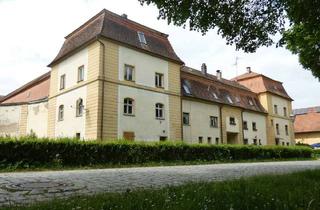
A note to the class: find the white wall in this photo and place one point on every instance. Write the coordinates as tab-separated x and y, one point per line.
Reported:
37	120
144	123
69	67
282	137
9	120
232	128
200	122
71	123
280	102
261	132
145	67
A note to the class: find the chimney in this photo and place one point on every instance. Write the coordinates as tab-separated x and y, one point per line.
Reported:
219	75
204	68
124	16
249	69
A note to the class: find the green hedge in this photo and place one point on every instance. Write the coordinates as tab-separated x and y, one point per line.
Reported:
68	152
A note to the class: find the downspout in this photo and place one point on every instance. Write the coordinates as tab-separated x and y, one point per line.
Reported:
102	97
220	112
242	130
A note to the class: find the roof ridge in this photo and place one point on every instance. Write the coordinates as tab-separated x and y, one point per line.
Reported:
136	23
236	85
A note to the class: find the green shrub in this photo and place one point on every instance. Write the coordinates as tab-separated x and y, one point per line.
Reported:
30	151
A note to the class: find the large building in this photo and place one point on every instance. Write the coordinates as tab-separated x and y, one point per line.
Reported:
307	125
117	79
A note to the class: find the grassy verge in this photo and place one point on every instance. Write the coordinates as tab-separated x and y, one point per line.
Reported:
57	167
293	191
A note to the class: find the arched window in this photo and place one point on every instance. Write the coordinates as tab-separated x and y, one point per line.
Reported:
79	107
159	111
128	106
61	113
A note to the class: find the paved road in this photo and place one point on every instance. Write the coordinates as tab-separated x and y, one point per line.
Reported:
20	188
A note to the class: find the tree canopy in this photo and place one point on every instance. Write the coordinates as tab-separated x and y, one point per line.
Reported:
250	24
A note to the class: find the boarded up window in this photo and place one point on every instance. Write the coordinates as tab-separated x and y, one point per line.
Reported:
128	136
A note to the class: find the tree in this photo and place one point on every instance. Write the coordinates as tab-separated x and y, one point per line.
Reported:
250	24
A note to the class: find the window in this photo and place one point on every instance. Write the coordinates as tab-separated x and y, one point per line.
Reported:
186	118
277	141
78	135
128	106
142	38
163	138
245	125
80	73
209	140
200	139
229	99
213	121
217	140
284	111
62	82
215	95
128	72
275	107
255	141
159	111
254	126
250	102
287	130
272	122
245	141
159	80
282	143
186	89
237	99
260	142
277	129
79	107
232	121
288	144
61	113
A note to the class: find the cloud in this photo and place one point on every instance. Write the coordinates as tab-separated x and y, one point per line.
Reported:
33	31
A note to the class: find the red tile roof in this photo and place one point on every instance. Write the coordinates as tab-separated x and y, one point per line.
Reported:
209	87
307	120
260	83
37	89
120	29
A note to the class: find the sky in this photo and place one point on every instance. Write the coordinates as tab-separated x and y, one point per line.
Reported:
33	31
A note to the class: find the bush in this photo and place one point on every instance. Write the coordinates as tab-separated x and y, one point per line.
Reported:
25	152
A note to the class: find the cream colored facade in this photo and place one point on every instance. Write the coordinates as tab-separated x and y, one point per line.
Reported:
104	89
37	119
199	126
278	119
260	133
9	120
308	138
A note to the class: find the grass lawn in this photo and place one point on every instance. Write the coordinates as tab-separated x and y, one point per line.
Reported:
294	191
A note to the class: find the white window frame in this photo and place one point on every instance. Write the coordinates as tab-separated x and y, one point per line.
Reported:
128	106
214	121
159	111
142	37
62	82
79	107
188	118
229	99
159	80
80	73
127	70
61	113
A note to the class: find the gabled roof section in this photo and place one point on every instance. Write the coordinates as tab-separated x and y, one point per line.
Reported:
37	89
208	87
120	29
307	120
260	83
